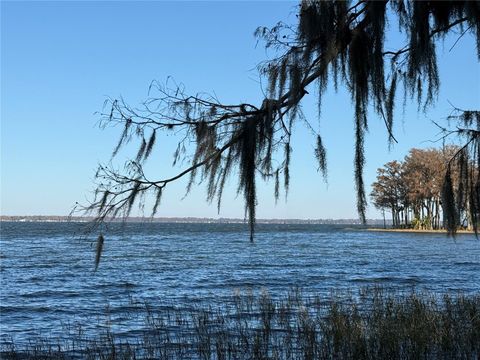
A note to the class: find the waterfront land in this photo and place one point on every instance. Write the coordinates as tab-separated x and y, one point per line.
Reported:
193	220
420	231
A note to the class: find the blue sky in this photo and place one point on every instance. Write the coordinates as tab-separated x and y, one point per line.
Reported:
60	60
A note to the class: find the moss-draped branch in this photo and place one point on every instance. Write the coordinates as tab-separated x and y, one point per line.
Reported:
334	41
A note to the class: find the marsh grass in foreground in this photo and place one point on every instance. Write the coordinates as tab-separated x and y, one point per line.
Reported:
373	324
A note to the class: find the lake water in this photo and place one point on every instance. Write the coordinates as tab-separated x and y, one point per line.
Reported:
47	277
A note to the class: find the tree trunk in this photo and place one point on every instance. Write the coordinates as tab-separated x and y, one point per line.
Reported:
394	224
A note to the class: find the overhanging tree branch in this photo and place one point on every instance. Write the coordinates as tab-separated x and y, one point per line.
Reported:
332	38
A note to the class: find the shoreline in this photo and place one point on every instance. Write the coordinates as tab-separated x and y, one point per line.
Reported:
419	231
188	220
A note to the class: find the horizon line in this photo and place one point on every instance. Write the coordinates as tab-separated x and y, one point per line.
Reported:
149	218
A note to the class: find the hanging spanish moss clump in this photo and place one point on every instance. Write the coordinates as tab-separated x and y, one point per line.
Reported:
321	155
247	148
450	218
98	250
464	198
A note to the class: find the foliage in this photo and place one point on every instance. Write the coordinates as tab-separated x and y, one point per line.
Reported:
465	166
418	186
334	41
389	191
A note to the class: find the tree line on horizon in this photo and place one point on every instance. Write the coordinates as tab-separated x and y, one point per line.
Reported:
416	191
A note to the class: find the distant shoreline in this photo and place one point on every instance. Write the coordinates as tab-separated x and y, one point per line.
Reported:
192	220
420	231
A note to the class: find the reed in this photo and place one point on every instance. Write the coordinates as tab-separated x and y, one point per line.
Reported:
371	324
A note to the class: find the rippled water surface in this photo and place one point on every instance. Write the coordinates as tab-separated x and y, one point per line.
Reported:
47	277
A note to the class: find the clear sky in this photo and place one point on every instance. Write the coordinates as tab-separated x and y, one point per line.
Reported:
60	60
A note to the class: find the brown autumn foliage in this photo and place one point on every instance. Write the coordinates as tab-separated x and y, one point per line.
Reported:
413	190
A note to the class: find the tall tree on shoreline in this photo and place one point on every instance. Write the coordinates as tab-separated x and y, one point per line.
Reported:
335	41
389	190
424	172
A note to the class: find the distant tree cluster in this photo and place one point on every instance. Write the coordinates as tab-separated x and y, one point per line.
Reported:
416	191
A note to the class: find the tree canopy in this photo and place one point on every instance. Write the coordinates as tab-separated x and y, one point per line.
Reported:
413	190
334	41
